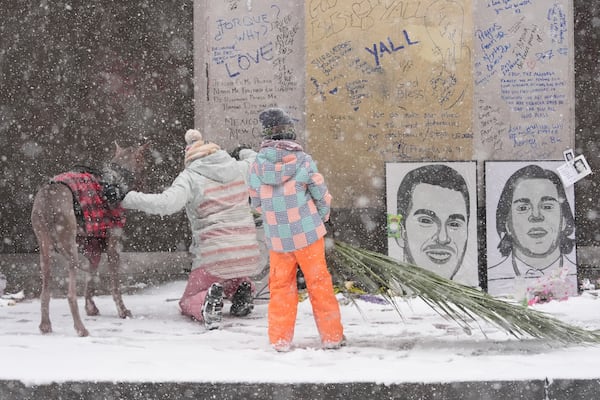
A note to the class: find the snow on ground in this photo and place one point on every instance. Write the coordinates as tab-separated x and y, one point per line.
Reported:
160	345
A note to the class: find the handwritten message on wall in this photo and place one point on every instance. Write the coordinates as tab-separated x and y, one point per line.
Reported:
524	79
255	59
386	81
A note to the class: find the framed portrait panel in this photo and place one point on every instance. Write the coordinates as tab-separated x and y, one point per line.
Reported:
432	217
530	229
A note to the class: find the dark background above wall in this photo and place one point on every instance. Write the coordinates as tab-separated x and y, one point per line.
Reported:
76	77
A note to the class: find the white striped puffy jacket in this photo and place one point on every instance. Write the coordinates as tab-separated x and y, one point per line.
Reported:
214	192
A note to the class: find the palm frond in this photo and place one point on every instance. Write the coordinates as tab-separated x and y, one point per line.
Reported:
381	274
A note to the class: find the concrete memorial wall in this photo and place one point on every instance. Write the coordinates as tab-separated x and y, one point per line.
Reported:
371	83
523	79
386	81
377	82
251	56
391	81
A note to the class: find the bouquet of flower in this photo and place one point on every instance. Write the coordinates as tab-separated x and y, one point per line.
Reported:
555	286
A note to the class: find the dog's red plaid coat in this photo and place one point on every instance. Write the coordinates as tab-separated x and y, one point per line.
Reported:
98	216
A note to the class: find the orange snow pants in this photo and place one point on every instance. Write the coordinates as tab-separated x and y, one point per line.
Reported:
283	304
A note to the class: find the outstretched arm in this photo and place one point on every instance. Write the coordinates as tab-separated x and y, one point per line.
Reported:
168	202
247	157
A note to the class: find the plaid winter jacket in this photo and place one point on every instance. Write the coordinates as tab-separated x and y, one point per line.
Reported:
286	187
92	212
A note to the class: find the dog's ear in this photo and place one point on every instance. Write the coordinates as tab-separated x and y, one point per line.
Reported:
144	147
118	149
139	153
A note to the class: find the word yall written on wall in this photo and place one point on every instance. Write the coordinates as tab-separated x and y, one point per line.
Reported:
390	47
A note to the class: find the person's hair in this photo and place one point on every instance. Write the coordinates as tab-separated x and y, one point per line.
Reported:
505	202
433	174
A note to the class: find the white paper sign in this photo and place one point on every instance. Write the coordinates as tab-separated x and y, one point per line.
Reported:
574	170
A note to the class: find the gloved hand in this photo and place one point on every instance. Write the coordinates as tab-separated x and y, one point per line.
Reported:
113	193
235	153
330	228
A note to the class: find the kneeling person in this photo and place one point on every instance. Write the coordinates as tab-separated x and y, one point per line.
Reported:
212	188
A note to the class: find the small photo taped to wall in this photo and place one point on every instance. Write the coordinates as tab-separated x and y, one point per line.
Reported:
569	155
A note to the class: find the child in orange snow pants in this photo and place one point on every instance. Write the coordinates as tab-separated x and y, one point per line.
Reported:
283	306
287	189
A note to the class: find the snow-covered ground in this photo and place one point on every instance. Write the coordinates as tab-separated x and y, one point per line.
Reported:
160	345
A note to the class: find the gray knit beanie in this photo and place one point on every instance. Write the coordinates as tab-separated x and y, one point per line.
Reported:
276	121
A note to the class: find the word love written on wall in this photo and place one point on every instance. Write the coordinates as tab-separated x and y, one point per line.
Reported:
255	62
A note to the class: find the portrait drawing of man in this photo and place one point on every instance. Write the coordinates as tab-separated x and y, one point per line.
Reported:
535	225
434	209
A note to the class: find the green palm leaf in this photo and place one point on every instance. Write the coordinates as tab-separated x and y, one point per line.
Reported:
377	273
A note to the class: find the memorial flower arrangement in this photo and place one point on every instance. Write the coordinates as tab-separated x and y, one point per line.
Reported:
554	287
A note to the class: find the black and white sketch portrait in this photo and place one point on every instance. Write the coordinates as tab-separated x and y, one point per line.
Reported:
530	227
432	218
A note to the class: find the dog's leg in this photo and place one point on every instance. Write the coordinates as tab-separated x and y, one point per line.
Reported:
112	253
90	288
45	271
71	252
40	225
93	253
66	231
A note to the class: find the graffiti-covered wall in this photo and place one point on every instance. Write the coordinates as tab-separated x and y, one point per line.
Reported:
251	57
377	82
524	91
386	83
